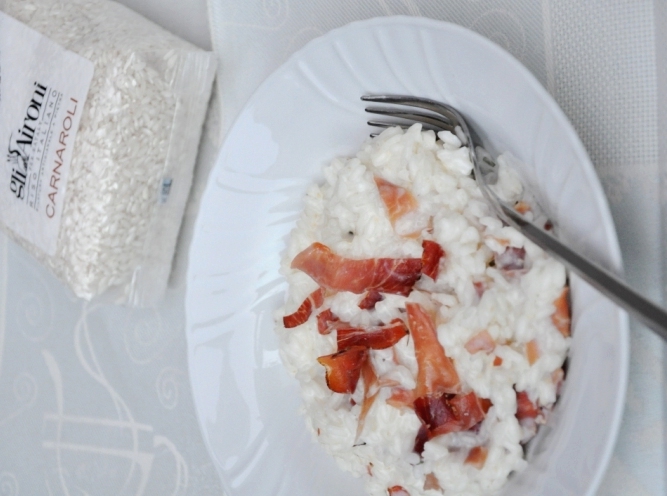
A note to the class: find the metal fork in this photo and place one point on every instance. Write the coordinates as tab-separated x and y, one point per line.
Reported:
441	116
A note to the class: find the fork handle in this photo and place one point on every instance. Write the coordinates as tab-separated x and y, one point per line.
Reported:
601	279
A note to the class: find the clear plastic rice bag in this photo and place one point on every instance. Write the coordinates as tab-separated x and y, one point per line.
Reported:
96	180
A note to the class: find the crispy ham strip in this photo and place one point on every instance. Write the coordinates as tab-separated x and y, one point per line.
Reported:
386	275
431	256
343	368
302	314
376	338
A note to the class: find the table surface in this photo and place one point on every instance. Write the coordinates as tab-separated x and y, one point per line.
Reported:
91	392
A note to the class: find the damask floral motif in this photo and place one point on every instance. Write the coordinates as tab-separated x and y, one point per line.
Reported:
409	7
167	387
32	310
275	9
9	486
24	388
145	335
503	27
115	448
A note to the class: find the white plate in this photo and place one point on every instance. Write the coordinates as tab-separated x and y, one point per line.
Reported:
304	115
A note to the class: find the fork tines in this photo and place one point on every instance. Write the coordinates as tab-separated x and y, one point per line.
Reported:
436	119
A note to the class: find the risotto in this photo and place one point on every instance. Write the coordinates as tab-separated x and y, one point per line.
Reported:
428	337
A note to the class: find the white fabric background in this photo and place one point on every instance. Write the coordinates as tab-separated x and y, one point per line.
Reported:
96	399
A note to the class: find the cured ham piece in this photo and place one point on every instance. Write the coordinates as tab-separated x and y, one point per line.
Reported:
532	351
431	482
431	256
511	259
557	377
324	320
477	456
561	317
469	409
485	404
421	439
401	397
522	207
397	491
482	341
436	412
398	201
525	408
480	287
435	371
371	390
343	368
376	338
386	275
448	413
371	298
437	406
317	297
303	313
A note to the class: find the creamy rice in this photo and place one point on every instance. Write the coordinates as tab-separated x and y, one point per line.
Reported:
470	294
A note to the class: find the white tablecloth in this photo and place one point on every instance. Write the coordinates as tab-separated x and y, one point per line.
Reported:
96	399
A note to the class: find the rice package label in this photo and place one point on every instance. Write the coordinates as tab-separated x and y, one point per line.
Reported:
41	106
